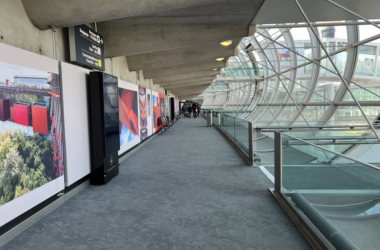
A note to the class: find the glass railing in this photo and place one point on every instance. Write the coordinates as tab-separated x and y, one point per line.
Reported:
339	195
359	143
328	175
238	130
263	149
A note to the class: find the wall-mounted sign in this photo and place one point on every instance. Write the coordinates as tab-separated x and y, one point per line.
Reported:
86	47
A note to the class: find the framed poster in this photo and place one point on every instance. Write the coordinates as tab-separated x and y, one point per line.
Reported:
129	116
31	138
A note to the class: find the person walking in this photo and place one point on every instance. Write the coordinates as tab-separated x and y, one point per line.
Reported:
184	109
194	107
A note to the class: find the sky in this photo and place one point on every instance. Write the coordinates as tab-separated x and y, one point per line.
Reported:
8	71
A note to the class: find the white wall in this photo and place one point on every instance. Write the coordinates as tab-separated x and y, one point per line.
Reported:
76	122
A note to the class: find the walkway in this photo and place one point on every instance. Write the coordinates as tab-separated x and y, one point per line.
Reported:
190	190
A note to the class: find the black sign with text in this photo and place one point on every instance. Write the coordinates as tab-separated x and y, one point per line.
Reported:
86	47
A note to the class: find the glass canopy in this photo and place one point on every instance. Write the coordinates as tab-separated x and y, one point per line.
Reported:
282	76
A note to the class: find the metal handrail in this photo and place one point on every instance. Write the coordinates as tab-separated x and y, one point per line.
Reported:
319	127
239	118
344	156
326	138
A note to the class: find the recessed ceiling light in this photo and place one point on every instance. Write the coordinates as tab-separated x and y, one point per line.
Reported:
215	69
226	43
220	59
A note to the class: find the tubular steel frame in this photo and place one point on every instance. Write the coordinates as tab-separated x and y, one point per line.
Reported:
239	96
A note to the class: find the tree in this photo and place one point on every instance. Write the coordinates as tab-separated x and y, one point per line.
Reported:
23	164
9	177
13	166
36	150
5	145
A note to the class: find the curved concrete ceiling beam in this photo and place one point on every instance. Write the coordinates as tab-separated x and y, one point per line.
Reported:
166	79
192	80
189	55
58	13
193	88
124	38
179	28
191	91
187	97
185	85
185	68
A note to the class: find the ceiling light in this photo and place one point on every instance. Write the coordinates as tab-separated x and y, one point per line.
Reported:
215	69
220	59
226	43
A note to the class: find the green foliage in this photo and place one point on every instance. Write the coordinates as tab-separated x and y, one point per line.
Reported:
5	145
23	164
29	98
20	191
35	150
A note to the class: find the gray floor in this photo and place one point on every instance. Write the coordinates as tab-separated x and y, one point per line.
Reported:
190	190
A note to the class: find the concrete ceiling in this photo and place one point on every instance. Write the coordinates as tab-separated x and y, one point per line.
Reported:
188	81
189	86
186	84
58	13
190	55
186	68
174	42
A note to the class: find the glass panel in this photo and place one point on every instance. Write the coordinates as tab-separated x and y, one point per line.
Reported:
365	65
367	31
312	115
257	113
352	115
235	128
281	91
332	190
285	115
263	145
268	117
241	135
333	37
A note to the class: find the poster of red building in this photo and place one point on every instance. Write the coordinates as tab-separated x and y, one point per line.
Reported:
31	143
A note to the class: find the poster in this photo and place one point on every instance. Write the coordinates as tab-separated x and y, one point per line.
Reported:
149	112
129	117
31	143
143	111
167	106
156	111
162	105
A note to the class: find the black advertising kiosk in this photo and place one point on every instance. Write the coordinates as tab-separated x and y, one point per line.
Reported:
104	127
172	109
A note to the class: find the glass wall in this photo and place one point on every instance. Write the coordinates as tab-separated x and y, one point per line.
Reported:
284	72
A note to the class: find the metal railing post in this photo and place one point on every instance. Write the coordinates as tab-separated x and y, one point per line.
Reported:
250	142
278	162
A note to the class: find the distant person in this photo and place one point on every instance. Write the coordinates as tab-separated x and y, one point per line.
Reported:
194	106
190	112
184	109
